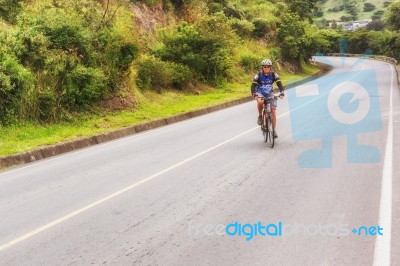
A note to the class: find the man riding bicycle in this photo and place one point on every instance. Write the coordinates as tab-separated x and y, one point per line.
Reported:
262	87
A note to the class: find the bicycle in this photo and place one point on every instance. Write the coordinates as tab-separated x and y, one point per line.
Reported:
267	125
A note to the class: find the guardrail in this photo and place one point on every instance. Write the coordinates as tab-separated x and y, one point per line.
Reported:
374	57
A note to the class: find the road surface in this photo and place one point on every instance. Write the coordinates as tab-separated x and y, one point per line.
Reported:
176	195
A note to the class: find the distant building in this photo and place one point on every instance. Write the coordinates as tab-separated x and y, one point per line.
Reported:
352	25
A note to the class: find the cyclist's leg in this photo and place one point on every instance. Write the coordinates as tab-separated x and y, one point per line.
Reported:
260	104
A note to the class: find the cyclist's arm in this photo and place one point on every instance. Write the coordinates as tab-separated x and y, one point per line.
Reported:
254	87
279	83
280	86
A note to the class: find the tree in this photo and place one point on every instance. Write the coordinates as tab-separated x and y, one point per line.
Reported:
394	45
358	41
351	8
204	48
377	15
392	19
368	7
376	25
386	3
303	8
292	38
345	18
326	40
9	9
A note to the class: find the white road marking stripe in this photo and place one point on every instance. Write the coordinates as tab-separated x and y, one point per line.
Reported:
74	152
382	254
381	247
130	187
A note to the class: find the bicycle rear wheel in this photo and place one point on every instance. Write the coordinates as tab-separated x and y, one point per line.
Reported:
270	131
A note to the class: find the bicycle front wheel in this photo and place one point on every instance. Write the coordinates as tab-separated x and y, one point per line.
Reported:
270	131
264	126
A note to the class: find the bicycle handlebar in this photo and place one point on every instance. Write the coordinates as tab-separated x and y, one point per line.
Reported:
275	97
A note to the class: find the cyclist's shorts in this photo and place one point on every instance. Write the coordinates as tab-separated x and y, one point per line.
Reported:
274	103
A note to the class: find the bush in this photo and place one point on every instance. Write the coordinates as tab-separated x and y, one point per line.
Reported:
15	81
232	12
182	76
336	9
242	27
205	52
319	13
215	7
392	19
379	42
83	86
377	15
156	75
332	37
386	3
376	25
368	7
9	9
74	53
47	103
351	8
358	42
394	46
250	62
345	18
261	27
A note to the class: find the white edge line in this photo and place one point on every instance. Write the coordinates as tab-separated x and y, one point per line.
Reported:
94	204
45	160
382	253
119	192
56	157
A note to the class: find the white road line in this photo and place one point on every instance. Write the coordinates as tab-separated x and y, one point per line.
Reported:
74	152
382	254
124	138
130	187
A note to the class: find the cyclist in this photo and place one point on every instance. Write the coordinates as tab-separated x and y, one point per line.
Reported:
262	86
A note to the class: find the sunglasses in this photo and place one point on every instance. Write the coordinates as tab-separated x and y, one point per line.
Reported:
266	66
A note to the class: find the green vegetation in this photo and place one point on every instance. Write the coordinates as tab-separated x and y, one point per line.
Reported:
77	68
25	137
14	139
60	58
351	9
393	18
381	36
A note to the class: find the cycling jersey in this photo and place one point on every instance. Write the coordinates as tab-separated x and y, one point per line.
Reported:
265	82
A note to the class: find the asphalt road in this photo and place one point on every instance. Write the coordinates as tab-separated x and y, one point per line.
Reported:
176	195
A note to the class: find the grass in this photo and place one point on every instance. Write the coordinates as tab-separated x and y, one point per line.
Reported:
16	139
362	15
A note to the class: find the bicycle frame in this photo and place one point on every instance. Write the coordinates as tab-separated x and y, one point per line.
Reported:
267	125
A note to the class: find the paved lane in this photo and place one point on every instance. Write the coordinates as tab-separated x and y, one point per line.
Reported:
157	198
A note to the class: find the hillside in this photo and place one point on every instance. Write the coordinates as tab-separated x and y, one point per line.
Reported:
77	68
336	9
61	58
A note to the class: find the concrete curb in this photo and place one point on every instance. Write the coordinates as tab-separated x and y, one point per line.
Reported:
57	149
